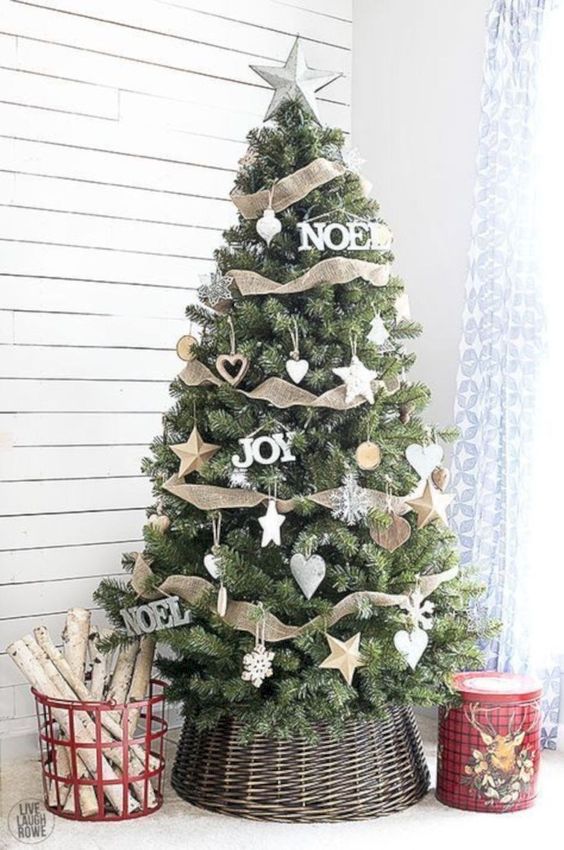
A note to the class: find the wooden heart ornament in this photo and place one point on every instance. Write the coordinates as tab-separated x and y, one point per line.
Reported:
212	565
392	536
411	645
232	367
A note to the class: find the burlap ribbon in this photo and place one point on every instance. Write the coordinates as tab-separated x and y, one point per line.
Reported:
207	497
329	272
290	189
243	616
283	394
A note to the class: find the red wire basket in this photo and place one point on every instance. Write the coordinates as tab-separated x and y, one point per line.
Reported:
103	761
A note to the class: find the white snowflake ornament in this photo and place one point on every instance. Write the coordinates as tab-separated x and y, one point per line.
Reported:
215	287
350	502
257	665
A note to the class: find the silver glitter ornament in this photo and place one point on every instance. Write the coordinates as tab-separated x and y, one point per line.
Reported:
294	80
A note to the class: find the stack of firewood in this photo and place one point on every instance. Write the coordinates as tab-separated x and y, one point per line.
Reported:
85	673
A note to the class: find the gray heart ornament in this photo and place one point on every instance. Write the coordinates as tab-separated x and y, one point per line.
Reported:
308	572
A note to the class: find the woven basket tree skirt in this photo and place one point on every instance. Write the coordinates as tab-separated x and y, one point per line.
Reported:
376	768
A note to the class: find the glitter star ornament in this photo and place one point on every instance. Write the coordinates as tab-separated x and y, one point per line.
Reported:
194	453
431	505
294	80
345	656
357	380
215	287
271	523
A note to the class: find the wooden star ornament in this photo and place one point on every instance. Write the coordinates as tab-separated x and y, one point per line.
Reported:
431	505
194	453
345	656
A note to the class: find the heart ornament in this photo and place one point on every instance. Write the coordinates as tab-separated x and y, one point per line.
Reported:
411	645
393	535
232	367
297	369
424	458
308	572
212	565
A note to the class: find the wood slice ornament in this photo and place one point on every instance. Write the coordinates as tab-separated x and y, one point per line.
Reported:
368	455
185	347
234	366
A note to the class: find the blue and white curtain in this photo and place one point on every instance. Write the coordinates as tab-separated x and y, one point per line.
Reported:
502	530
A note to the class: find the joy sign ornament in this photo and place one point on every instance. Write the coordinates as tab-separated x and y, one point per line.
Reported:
264	450
357	235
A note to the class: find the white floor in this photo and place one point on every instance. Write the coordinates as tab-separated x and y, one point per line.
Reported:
423	826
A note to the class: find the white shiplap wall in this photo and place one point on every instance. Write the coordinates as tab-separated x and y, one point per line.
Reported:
121	122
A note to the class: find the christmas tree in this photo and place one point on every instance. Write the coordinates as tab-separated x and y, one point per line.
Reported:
300	511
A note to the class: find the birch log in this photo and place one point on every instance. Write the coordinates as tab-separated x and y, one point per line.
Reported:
75	640
100	662
141	678
113	754
34	673
123	671
108	720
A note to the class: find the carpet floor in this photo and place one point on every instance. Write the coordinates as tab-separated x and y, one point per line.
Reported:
179	825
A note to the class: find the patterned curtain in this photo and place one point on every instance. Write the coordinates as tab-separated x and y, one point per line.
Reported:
503	348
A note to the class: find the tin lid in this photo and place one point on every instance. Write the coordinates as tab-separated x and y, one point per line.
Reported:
491	686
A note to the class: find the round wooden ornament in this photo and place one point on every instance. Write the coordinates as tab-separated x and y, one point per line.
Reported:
185	347
368	455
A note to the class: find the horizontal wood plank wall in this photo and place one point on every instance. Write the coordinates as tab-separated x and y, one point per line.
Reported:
120	129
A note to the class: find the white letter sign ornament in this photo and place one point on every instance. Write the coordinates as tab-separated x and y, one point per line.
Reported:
153	616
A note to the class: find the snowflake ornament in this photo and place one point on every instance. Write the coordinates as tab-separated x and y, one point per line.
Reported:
350	502
215	287
352	159
239	480
258	665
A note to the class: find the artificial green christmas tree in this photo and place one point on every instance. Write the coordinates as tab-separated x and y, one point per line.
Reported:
310	550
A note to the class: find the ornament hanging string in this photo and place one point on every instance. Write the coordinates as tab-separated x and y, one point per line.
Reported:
294	333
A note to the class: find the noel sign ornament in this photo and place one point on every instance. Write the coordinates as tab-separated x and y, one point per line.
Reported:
264	450
356	235
160	614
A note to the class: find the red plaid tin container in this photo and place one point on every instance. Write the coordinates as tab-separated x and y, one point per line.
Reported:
489	746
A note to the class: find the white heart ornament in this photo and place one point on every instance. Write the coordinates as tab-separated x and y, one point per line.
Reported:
424	458
211	563
411	646
297	369
308	572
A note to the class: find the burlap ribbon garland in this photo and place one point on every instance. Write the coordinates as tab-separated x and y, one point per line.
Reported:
244	616
290	189
330	272
208	497
283	394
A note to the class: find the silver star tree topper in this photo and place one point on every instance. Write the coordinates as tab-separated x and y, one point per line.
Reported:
294	80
